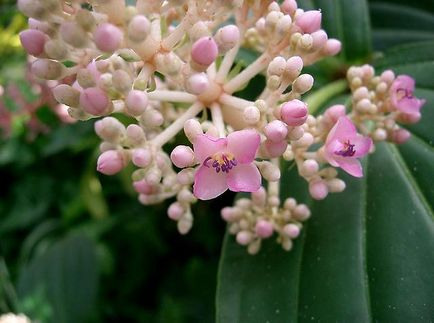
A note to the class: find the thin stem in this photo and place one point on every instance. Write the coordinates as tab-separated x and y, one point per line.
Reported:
7	288
320	97
177	125
226	64
274	187
234	102
211	71
172	96
217	119
156	29
247	74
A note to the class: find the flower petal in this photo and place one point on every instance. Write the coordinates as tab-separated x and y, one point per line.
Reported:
208	184
351	165
205	146
342	130
244	178
244	144
362	145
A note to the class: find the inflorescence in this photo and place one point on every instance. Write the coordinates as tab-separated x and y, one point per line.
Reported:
170	66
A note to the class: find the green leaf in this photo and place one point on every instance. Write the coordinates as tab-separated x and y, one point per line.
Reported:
64	279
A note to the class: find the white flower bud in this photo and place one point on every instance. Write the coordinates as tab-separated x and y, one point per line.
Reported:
303	83
251	115
192	129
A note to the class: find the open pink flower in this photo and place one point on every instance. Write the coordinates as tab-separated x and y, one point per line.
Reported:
226	163
344	145
401	94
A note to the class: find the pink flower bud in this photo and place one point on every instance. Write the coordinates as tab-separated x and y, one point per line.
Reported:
32	8
264	229
48	69
294	113
33	41
227	213
107	37
335	112
309	167
276	131
332	47
197	83
227	37
182	156
319	39
94	101
204	51
142	187
138	28
275	149
289	6
135	133
291	230
73	34
175	211
136	102
244	237
309	21
318	190
400	136
141	157
294	65
110	162
66	94
409	118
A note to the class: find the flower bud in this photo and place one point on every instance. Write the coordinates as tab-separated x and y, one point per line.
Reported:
107	37
269	171
33	41
175	211
276	131
142	187
55	49
336	185
197	83
264	229
168	63
135	133
227	37
289	7
335	112
204	51
332	47
198	30
400	136
251	115
110	162
275	149
185	176
48	69
109	129
94	101
294	113
192	129
85	19
309	167
277	66
293	67
409	118
141	157
182	156
244	237
32	8
296	133
309	21
301	212
303	83
227	214
73	34
291	230
318	189
319	39
138	28
152	118
259	197
184	224
136	102
66	94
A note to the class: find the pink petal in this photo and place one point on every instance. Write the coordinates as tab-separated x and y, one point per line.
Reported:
342	130
205	146
208	184
244	178
244	145
351	165
362	145
330	149
410	105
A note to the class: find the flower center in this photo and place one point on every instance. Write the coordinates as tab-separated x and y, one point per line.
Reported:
221	162
347	151
404	94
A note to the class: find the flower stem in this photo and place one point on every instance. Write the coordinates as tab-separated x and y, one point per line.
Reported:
217	119
171	96
317	99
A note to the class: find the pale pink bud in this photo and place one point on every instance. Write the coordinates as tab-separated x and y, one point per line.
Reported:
204	51
309	21
264	229
335	112
175	211
294	65
197	83
309	167
32	8
107	37
227	37
319	39
48	69
400	136
109	129
192	129
303	83
291	230
135	133
318	189
277	66
227	213
289	6
39	25
332	47
294	113
409	118
136	102
301	212
275	149
244	237
152	118
141	157
138	28
259	197
73	34
251	115
142	187
66	94
33	41
94	101
182	156
110	162
276	131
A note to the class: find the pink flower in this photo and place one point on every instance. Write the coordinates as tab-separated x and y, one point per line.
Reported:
401	93
344	145
226	163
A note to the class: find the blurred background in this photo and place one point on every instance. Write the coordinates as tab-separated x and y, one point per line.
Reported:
75	245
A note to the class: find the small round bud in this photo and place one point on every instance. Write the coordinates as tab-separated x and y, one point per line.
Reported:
264	229
32	8
409	118
66	94
363	105
109	129
277	66
198	30
251	115
33	41
184	225
182	156
336	185
185	176
290	203
301	212
135	133
94	101
269	171
138	28
153	176
227	37
143	188
388	76
379	134
152	118
227	214
303	83
284	25
259	197
175	211
309	167
192	129
289	7
293	67
306	140
276	131
136	102
294	113
73	34
141	157
400	136
291	230
361	93
319	39
197	83
335	112
122	81
244	238
296	133
204	51
318	189
309	21
48	69
107	37
287	244
110	162
275	149
332	47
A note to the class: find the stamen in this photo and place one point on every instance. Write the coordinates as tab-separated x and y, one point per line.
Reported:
221	162
404	94
348	150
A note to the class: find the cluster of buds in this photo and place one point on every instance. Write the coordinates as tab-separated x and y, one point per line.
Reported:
169	67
